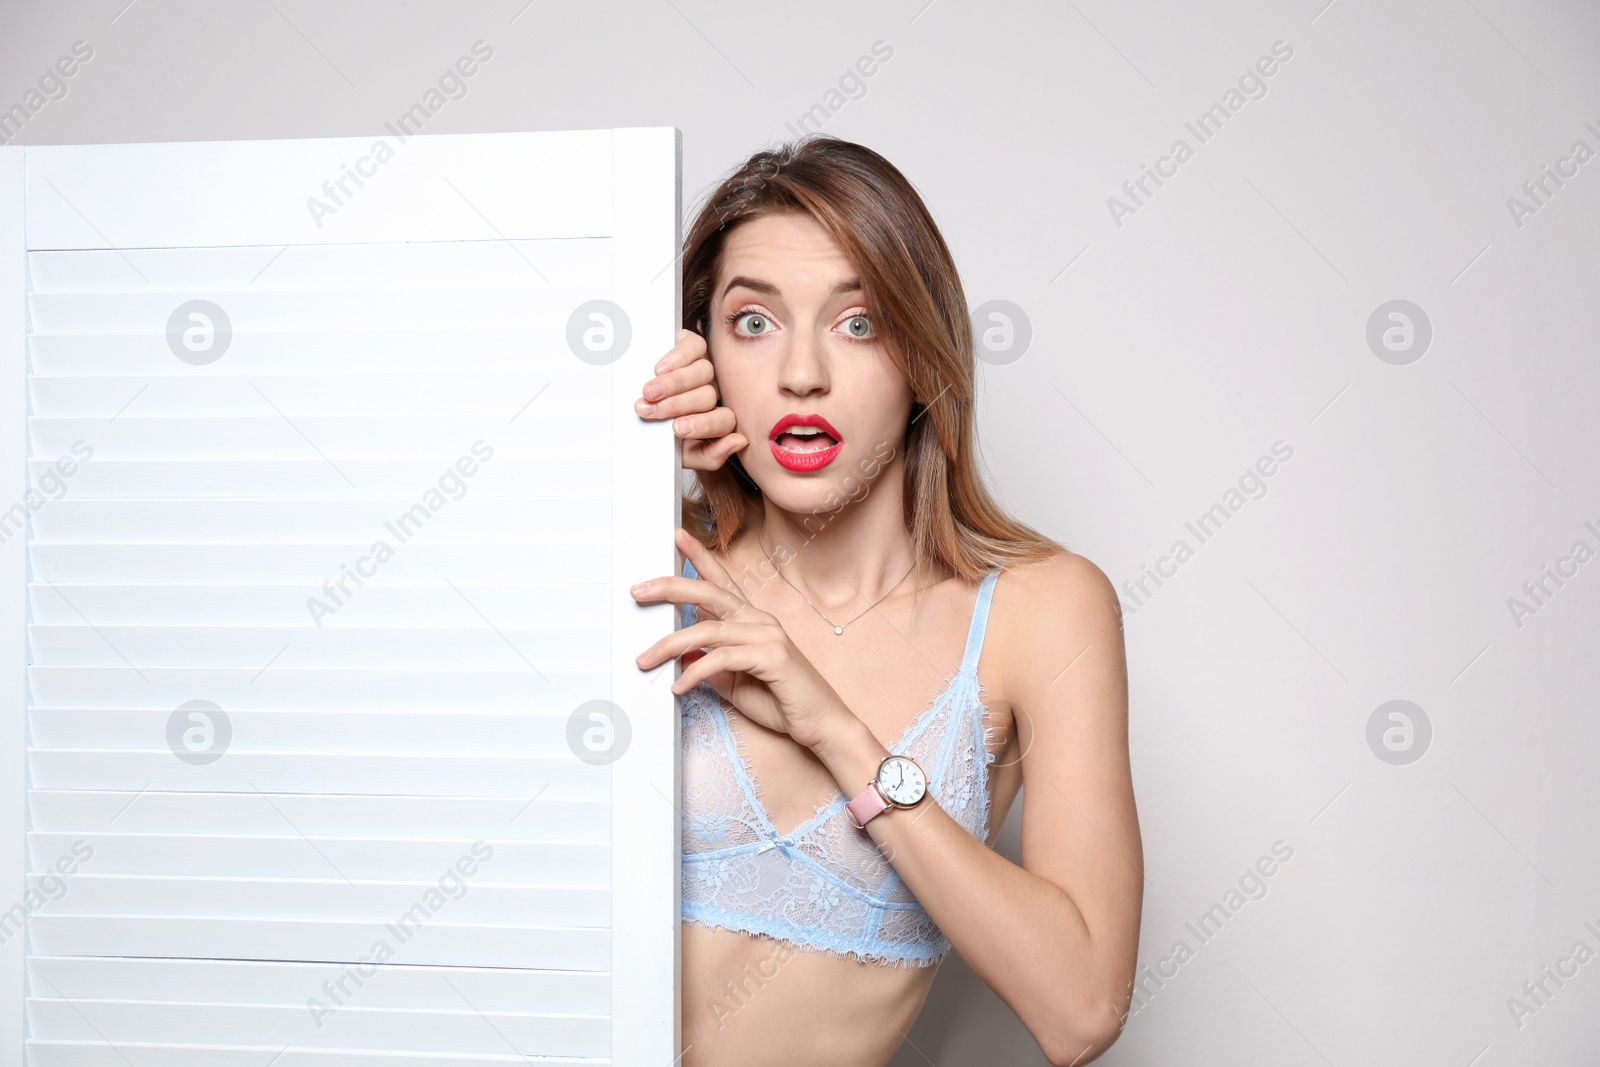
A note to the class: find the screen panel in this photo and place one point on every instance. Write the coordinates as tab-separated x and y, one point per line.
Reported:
334	741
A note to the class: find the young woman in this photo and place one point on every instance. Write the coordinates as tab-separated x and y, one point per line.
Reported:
888	657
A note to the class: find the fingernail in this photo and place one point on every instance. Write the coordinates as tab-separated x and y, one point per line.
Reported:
660	367
681	425
653	390
642	587
643	407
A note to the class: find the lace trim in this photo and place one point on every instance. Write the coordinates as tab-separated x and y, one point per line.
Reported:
988	731
731	922
794	854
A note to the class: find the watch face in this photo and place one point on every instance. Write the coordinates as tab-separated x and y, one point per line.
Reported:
901	781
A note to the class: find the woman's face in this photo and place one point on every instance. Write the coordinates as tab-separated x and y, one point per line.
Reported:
790	334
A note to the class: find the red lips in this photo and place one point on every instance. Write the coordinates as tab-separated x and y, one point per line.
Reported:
801	462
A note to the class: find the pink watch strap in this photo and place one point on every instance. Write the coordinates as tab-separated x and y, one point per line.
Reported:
867	803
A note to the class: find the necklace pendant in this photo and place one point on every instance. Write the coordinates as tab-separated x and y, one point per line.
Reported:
838	629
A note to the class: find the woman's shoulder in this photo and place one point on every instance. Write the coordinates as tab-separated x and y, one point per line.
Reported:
1053	608
1062	578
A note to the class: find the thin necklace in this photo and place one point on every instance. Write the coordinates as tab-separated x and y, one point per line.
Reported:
838	628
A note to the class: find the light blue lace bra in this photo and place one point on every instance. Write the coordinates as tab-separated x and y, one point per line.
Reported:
825	885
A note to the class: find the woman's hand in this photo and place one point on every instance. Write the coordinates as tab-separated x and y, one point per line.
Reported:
751	661
682	390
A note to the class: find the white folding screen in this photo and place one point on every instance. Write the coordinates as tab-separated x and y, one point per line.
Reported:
322	736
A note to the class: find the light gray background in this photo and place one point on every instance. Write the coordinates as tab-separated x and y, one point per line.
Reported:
1168	354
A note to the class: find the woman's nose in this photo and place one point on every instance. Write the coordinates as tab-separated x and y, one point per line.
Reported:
804	368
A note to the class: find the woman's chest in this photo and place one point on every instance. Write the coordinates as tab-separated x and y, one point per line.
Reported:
949	728
914	672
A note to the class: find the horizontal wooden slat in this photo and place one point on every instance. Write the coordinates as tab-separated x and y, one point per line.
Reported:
44	1053
518	688
261	268
558	520
437	941
475	900
292	854
395	438
521	683
354	1026
205	981
190	562
434	733
342	647
528	305
325	814
425	486
544	385
335	772
468	348
439	602
285	605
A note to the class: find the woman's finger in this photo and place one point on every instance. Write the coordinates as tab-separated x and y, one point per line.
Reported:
714	662
698	456
677	380
719	599
704	425
711	455
689	347
705	634
698	400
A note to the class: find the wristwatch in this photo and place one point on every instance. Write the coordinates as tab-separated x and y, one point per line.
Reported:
899	783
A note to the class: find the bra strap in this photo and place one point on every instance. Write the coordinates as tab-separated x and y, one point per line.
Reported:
980	621
688	614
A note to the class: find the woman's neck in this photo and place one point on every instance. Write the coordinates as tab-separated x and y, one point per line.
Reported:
860	553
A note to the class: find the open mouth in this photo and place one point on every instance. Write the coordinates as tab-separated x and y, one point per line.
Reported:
804	442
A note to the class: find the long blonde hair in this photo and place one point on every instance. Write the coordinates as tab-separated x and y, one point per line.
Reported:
909	280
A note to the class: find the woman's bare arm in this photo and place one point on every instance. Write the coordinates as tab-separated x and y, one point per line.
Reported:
1055	938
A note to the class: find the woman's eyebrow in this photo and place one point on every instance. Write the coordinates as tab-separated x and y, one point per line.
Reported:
849	285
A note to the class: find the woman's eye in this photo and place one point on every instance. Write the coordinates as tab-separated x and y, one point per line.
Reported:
757	323
858	326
